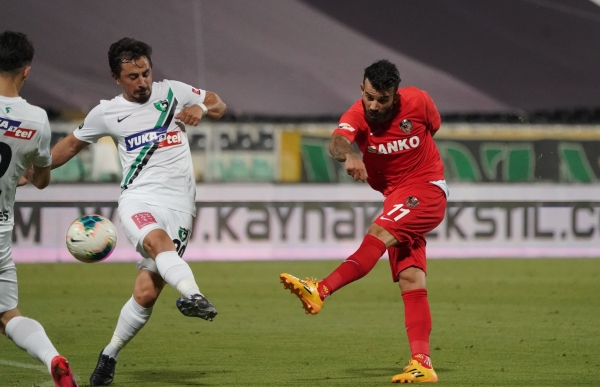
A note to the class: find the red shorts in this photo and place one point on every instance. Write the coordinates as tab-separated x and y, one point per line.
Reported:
408	214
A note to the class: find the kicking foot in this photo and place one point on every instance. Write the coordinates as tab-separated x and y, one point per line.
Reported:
104	373
416	373
62	373
196	306
306	290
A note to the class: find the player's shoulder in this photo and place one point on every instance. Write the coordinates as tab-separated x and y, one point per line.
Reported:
414	94
178	86
411	90
29	112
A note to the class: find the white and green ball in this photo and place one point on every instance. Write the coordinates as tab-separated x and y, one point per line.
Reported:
91	238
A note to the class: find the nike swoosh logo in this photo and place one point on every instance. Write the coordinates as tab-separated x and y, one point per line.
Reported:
119	119
76	240
384	218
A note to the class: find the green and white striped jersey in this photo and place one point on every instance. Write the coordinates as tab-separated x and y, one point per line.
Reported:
153	146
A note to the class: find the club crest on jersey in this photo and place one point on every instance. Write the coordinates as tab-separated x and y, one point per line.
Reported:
159	135
406	126
194	90
411	202
345	126
162	105
12	129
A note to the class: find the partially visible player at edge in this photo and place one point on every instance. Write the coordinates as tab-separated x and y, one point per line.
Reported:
157	203
394	129
24	149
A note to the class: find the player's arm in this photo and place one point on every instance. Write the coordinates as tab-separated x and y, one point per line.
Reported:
341	150
39	176
65	149
212	108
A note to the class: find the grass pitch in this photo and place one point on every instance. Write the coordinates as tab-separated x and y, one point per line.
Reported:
495	323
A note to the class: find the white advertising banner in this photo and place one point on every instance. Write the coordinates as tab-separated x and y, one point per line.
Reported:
269	221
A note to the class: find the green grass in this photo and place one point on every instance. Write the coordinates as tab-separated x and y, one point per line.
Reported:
496	323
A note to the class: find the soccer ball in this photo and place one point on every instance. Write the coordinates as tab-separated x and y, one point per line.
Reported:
91	238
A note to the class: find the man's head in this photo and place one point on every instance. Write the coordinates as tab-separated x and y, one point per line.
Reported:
16	54
380	83
131	66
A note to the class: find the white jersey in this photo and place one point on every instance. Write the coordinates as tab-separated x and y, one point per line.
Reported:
24	140
153	146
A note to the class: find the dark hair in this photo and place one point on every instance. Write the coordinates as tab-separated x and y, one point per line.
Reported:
16	51
127	50
383	74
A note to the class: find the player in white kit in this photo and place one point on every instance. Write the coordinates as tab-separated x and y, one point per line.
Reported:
24	149
157	203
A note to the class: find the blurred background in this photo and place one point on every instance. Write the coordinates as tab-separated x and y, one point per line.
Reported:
516	82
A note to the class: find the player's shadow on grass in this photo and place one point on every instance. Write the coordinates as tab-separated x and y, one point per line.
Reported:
173	377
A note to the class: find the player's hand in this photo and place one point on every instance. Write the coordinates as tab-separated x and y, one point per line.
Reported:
355	167
27	176
191	115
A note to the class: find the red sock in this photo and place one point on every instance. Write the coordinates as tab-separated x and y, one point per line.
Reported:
355	266
417	318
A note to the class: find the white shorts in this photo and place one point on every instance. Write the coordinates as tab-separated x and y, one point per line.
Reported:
9	291
138	219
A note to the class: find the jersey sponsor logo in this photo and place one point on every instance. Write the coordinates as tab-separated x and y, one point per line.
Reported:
406	126
345	126
8	109
172	138
159	135
163	105
12	129
395	146
6	124
142	219
194	90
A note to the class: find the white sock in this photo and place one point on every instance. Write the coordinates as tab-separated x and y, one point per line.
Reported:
177	273
29	335
133	317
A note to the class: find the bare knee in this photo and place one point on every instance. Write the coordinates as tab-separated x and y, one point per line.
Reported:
148	286
156	242
5	317
411	278
145	297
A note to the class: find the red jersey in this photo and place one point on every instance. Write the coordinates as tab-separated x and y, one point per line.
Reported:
401	151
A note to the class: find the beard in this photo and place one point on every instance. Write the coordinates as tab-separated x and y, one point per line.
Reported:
141	96
378	117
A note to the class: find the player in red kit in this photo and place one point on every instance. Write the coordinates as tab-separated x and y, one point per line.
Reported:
394	129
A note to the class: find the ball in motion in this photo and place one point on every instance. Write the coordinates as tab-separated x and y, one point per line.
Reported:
91	238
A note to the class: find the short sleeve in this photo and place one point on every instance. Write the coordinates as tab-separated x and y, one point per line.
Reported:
43	158
433	116
349	125
93	126
186	94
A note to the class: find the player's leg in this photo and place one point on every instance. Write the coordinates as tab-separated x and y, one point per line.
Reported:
172	268
134	315
161	236
313	293
28	334
409	266
166	247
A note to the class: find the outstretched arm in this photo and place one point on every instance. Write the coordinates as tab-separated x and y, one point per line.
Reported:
340	149
215	109
65	149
